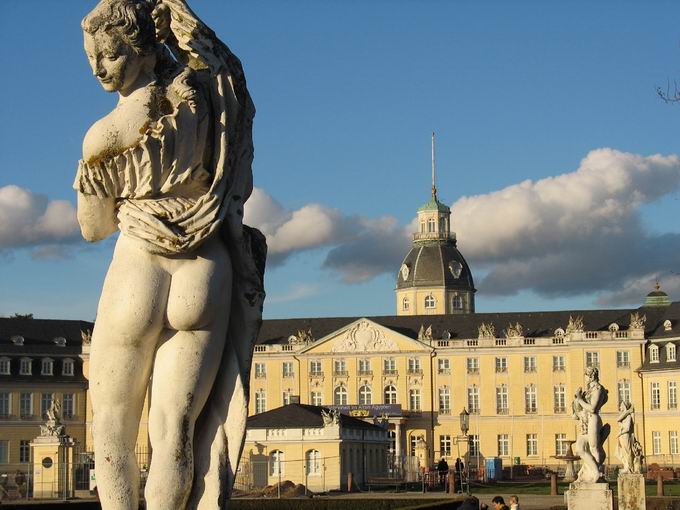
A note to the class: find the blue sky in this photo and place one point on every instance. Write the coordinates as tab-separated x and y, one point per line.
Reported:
347	95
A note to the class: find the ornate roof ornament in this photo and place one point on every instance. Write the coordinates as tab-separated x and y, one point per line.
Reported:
331	417
302	337
514	330
365	337
575	324
486	330
637	321
86	336
425	335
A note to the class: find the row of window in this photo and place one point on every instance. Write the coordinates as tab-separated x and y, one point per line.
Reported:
430	302
502	442
673	447
68	405
277	460
592	359
24	451
671	393
671	353
46	366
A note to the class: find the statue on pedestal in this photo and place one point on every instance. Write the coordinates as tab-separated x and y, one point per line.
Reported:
53	425
170	168
628	448
592	433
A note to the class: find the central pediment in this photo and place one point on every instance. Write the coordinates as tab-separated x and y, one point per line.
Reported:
365	336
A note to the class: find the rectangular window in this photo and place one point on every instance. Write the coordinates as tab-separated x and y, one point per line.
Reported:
444	366
316	398
502	399
26	405
4	451
4	366
444	400
260	402
473	365
5	404
656	442
474	445
287	369
560	398
532	445
530	399
593	359
670	352
653	353
286	398
24	451
559	364
315	367
655	401
529	363
47	365
445	446
25	366
67	367
414	366
473	399
501	364
260	370
364	367
503	445
414	400
673	442
561	444
624	390
339	367
389	366
672	395
622	359
69	406
45	404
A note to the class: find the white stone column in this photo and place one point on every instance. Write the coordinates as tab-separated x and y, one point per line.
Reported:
397	444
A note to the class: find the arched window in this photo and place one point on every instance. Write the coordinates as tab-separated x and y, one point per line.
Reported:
457	302
340	396
430	301
431	224
312	462
670	352
276	459
260	401
653	354
405	304
365	395
390	394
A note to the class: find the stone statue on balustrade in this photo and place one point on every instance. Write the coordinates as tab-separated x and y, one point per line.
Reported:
628	448
181	306
591	433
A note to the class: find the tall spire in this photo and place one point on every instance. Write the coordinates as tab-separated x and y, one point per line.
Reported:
434	186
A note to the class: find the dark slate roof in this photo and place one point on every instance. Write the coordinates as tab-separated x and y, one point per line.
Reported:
39	335
302	415
429	265
536	324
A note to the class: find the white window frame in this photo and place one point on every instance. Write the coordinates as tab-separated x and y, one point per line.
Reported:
285	397
445	445
5	366
260	370
390	394
21	404
444	399
315	367
414	400
312	463
24	451
672	395
472	365
340	395
560	398
473	445
623	390
260	401
559	363
287	369
364	366
316	398
671	352
501	364
656	442
622	359
430	302
529	364
592	359
365	395
532	445
277	463
502	406
655	395
653	353
45	398
72	397
25	366
389	365
503	441
47	366
561	443
5	404
4	451
473	399
673	442
339	366
68	367
457	302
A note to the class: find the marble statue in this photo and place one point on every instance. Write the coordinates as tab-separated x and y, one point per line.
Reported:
592	433
53	425
628	448
181	306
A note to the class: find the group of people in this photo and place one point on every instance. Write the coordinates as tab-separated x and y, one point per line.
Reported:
499	504
443	471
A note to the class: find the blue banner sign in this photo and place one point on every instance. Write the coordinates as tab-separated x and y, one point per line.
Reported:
369	411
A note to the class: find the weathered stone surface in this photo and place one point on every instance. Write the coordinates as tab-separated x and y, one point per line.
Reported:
631	491
589	496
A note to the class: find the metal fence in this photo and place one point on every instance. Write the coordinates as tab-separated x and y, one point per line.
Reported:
71	475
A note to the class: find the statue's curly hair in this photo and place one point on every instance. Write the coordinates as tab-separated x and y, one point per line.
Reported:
132	19
593	371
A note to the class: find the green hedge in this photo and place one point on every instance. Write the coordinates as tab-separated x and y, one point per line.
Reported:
347	504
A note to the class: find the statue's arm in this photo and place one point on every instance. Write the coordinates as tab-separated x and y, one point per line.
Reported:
596	398
96	216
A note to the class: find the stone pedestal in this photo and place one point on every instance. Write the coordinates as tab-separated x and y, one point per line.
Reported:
631	492
52	467
589	496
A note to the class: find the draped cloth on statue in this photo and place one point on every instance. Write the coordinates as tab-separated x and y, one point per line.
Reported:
173	197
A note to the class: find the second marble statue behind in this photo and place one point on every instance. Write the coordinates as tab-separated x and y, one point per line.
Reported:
592	433
170	167
628	448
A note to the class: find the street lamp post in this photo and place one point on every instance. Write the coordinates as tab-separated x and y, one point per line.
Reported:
464	438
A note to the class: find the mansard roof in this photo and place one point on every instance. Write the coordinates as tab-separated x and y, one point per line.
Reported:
535	324
39	336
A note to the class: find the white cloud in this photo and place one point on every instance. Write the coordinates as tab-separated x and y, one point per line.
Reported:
29	219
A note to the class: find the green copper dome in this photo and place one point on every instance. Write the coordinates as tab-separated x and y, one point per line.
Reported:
434	205
657	297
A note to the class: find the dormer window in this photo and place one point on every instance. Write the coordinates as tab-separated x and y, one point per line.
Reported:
4	366
457	302
653	354
67	367
430	301
25	366
47	366
670	352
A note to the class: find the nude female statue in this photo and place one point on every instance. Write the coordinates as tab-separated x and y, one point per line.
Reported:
170	168
628	448
592	434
